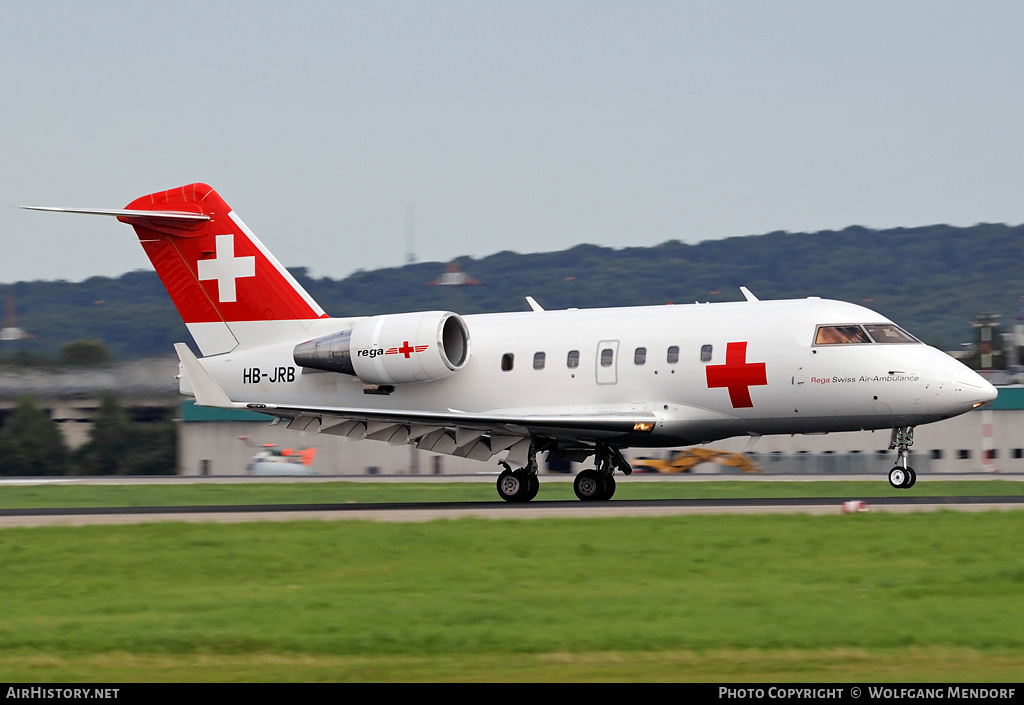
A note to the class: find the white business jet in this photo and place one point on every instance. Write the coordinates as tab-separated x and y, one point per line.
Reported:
573	383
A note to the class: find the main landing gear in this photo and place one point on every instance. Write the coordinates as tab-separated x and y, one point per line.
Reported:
594	485
902	477
598	485
519	485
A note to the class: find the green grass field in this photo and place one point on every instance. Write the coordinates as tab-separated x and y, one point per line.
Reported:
186	494
865	597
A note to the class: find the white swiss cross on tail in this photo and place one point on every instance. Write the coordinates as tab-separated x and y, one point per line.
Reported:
226	268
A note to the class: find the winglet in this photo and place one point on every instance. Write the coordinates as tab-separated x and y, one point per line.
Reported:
747	295
206	389
533	304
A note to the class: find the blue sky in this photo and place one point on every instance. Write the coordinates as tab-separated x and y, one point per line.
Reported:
524	126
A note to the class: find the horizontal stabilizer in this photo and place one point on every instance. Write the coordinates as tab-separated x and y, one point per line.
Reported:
126	214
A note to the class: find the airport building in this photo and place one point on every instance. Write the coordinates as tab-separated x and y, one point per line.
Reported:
226	442
209	443
71	396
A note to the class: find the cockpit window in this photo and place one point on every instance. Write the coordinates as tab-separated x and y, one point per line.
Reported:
889	333
840	335
859	334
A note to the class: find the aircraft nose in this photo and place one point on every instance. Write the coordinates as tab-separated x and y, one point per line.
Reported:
973	390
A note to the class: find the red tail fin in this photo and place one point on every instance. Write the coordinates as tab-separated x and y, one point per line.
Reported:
215	270
225	283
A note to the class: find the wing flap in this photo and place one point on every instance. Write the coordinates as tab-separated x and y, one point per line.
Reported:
519	454
439	441
350	428
468	423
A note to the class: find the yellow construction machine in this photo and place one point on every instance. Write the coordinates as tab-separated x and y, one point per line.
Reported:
685	460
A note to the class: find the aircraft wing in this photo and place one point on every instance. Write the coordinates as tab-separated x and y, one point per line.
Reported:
466	434
471	435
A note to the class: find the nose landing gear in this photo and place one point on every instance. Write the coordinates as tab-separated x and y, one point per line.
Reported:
902	477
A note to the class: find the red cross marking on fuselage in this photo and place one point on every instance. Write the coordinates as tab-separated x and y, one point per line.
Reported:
737	374
406	349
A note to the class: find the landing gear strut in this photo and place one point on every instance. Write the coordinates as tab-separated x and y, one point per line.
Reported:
902	477
519	485
598	485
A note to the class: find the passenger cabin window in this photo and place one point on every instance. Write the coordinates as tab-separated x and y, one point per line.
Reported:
640	356
606	357
705	353
538	360
572	361
673	354
507	361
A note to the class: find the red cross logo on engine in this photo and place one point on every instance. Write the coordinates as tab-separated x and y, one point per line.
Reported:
406	349
737	374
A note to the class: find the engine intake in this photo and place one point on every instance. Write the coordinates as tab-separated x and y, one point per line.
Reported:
393	349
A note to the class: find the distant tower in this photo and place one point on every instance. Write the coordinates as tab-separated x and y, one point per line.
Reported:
984	323
454	276
11	331
410	233
1017	339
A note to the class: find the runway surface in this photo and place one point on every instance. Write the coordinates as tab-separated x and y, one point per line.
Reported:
428	511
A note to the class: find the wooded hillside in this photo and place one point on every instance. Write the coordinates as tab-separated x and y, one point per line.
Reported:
932	280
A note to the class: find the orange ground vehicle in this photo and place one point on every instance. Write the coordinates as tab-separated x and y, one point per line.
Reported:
271	460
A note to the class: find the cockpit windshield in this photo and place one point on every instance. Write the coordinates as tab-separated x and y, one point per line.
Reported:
889	333
856	333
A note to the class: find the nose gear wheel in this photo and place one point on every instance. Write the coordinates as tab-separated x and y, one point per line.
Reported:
902	477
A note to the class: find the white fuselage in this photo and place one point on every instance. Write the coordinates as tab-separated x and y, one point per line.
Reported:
803	388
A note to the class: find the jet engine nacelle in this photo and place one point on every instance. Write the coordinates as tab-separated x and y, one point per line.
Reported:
392	349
